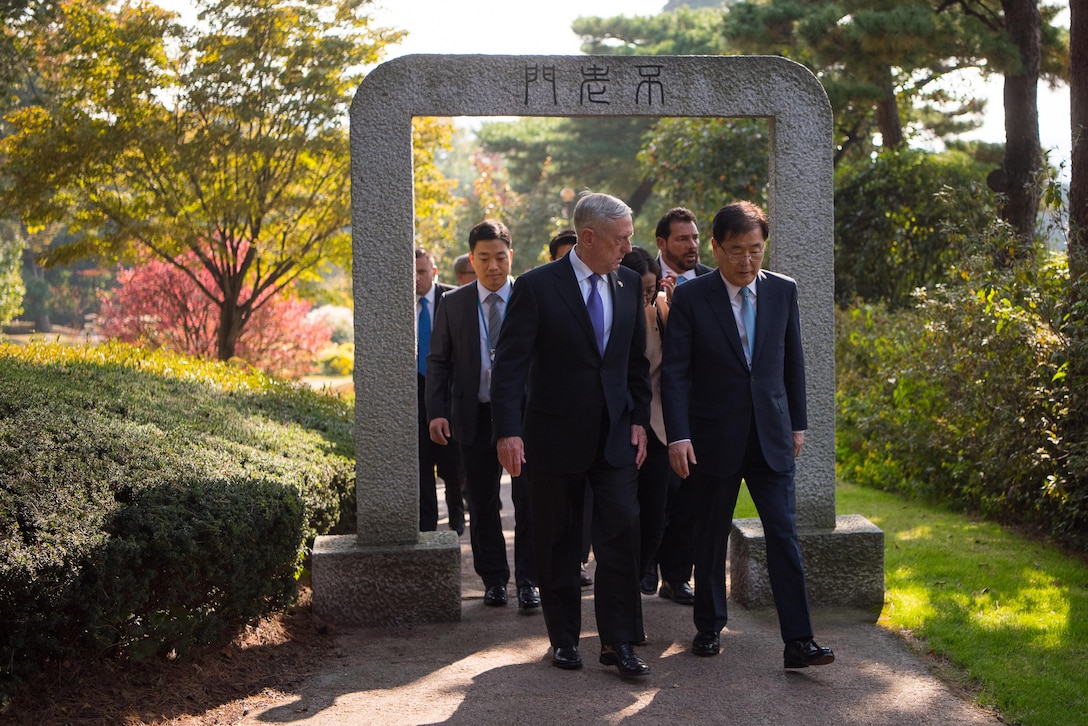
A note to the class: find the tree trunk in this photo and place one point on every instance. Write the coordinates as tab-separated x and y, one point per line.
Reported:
1023	153
230	327
1075	428
641	194
887	116
1078	116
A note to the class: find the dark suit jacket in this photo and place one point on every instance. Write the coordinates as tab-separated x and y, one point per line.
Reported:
547	351
709	394
453	366
440	291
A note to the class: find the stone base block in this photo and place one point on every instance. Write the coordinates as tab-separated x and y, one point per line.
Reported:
387	585
843	567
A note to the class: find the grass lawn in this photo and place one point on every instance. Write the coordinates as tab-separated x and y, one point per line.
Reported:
1009	614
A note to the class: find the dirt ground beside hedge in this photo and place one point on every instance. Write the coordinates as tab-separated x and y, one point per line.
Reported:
214	687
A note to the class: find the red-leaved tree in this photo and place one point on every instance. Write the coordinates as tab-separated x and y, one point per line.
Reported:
160	306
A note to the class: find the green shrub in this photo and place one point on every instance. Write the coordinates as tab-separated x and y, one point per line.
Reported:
188	562
891	222
150	502
962	398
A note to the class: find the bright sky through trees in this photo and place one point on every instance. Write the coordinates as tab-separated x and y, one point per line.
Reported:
543	27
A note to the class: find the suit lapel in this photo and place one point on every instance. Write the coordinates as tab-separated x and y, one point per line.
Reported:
621	303
718	301
765	312
471	309
567	287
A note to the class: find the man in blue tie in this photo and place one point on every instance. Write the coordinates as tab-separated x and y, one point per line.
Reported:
428	298
467	330
573	349
733	394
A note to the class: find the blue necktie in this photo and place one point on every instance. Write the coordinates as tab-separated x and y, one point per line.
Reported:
748	315
423	328
596	311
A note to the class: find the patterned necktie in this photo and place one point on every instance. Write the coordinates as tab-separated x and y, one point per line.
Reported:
748	315
494	319
596	311
423	328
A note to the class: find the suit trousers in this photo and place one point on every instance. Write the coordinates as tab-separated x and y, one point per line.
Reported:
653	491
676	552
774	496
447	459
557	504
483	475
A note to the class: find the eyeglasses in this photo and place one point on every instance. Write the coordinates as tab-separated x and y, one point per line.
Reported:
733	256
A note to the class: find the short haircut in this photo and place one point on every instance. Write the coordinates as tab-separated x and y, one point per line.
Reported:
565	237
420	252
462	265
596	207
488	229
641	261
738	218
676	214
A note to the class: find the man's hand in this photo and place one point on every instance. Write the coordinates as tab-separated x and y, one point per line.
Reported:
798	442
440	430
638	440
668	284
681	454
511	451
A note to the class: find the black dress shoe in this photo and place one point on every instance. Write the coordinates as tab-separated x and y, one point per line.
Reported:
566	657
706	643
495	596
648	584
679	592
528	598
583	576
805	653
623	657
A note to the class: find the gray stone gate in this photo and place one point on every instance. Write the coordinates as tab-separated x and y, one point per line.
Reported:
392	573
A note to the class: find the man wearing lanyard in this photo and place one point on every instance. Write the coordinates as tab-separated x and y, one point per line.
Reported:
467	329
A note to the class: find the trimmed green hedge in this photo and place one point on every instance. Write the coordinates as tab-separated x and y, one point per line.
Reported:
150	502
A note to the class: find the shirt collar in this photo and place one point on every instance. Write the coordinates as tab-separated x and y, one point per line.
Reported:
734	289
665	269
581	270
503	292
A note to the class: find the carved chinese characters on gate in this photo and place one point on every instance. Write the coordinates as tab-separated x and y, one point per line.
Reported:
593	83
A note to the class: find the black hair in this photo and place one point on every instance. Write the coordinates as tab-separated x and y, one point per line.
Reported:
738	218
488	229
